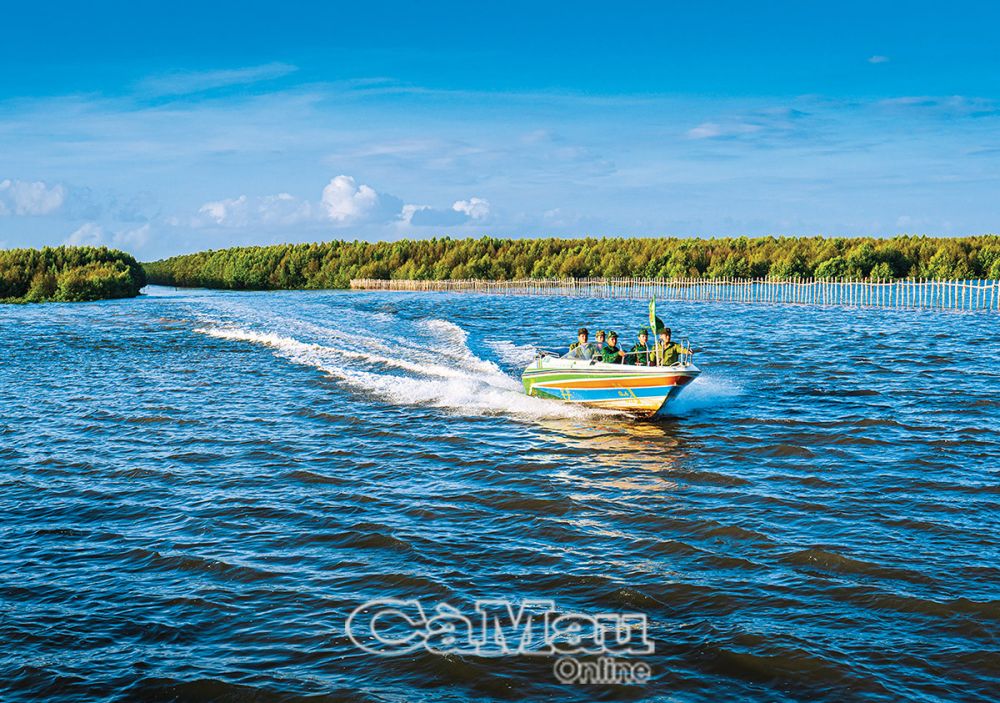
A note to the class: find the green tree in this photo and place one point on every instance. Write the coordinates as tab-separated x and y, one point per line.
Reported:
835	267
862	259
336	263
68	274
882	271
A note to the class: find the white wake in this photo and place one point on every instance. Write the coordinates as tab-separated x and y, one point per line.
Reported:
459	382
516	355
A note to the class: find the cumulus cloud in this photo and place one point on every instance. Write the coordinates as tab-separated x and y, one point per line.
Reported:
343	203
346	203
461	212
344	200
282	209
89	234
878	58
95	235
226	212
474	208
30	198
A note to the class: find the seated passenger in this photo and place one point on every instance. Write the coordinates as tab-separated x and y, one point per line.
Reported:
668	352
598	342
639	354
581	349
612	353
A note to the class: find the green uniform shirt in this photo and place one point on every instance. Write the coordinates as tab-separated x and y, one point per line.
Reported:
670	353
639	355
609	355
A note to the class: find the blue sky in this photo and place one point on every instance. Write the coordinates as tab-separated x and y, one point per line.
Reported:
194	126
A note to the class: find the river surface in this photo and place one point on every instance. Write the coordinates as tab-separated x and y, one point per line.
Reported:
197	488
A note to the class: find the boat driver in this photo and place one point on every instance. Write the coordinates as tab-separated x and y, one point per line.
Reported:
581	349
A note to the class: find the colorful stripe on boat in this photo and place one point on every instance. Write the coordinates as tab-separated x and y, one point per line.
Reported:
618	389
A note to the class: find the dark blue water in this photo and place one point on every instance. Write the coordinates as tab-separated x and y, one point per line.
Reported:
197	488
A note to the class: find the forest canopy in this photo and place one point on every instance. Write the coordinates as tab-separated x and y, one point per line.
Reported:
334	264
68	274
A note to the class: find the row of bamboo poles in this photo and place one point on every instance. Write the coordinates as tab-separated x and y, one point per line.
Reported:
898	293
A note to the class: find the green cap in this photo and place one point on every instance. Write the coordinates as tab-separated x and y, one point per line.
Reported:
614	334
599	332
643	331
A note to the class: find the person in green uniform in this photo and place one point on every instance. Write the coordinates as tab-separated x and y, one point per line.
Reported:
668	352
639	353
612	353
598	342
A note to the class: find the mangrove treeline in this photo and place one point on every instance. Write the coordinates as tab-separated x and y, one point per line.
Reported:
68	274
334	264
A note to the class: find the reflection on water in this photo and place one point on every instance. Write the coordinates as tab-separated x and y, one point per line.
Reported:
610	441
197	487
622	453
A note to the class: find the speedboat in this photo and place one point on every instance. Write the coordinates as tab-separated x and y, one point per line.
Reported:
638	390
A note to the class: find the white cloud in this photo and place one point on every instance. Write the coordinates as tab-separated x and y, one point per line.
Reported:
706	130
30	198
230	212
406	216
461	212
345	202
137	237
878	58
717	130
90	234
184	83
94	235
475	208
764	123
911	101
282	209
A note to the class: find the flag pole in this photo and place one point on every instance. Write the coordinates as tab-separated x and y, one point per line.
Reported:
653	330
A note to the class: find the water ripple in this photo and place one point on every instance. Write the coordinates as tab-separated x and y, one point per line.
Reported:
197	488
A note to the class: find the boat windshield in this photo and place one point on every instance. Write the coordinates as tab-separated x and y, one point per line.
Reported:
584	351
